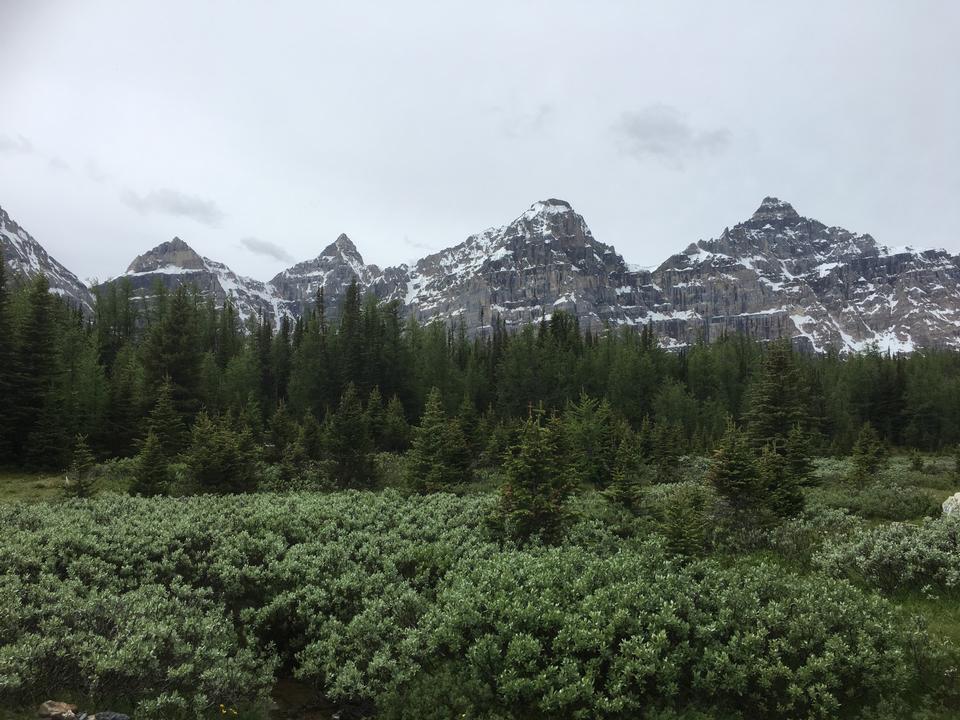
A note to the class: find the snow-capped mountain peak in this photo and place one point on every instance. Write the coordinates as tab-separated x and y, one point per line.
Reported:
774	210
26	258
174	262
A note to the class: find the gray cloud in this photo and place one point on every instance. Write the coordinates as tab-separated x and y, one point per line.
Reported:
266	248
519	123
172	202
418	245
15	146
94	171
58	163
662	132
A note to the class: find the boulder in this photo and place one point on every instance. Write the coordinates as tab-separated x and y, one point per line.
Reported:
56	710
951	506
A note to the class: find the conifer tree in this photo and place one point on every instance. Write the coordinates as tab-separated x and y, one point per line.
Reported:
349	444
799	457
282	431
777	398
685	520
151	476
630	473
166	423
374	414
311	437
396	429
469	422
589	434
784	497
534	488
221	459
668	446
869	455
251	417
6	367
734	473
81	467
172	352
48	443
35	368
438	457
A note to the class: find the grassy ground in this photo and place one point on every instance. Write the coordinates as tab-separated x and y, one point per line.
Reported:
29	487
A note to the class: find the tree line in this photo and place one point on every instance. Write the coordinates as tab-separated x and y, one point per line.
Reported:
179	373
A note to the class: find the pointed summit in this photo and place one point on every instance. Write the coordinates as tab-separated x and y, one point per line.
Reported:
774	210
171	254
551	206
342	246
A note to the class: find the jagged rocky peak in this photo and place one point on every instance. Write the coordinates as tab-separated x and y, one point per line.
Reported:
26	258
343	247
773	210
171	254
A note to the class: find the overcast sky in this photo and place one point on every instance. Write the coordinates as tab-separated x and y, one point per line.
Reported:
259	131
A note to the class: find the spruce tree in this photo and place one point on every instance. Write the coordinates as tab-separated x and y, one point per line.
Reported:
374	414
799	457
282	431
869	456
439	456
589	434
685	522
172	352
220	458
81	469
777	398
630	473
396	429
534	489
734	474
48	442
469	424
166	423
349	443
6	367
151	476
784	497
35	366
311	437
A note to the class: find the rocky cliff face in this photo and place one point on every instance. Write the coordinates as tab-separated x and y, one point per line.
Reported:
777	274
780	274
333	270
174	263
25	258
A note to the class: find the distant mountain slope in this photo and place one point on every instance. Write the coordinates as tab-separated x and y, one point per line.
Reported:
776	274
779	273
26	258
174	262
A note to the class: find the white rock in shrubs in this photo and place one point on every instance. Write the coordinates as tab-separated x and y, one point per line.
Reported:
951	506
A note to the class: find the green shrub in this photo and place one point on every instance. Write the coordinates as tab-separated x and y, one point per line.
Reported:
895	502
562	633
898	556
797	539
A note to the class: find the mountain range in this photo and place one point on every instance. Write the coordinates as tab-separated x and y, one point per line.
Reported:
776	274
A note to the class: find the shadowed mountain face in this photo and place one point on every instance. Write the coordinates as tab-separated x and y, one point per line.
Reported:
777	274
25	258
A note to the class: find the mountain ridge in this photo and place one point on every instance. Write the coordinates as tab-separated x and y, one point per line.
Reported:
777	273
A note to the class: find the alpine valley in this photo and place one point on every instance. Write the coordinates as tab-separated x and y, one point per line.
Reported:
776	274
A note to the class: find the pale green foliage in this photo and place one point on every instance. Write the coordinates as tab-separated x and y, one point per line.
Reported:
899	556
563	633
